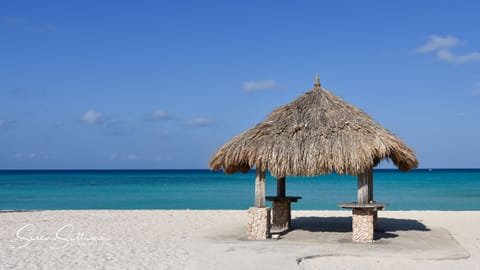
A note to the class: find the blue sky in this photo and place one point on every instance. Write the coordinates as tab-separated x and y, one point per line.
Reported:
163	84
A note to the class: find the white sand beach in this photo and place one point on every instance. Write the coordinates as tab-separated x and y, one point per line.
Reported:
160	239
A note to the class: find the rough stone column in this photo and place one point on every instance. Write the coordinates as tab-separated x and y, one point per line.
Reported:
258	223
362	225
281	218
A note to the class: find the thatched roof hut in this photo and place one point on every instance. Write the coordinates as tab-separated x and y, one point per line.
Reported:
318	133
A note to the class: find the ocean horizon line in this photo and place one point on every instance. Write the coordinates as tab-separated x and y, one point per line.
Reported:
213	171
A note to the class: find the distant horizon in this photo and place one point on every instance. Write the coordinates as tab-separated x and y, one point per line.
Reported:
252	170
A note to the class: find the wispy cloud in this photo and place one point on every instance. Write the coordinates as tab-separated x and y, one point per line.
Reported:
448	56
25	24
442	47
30	156
5	124
48	27
13	20
105	124
253	86
201	122
123	157
92	117
160	115
437	43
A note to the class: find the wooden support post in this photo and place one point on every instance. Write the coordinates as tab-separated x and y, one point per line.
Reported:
365	192
370	184
260	189
365	187
281	187
369	174
362	195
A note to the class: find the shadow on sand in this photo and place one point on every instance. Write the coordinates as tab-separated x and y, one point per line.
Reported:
386	227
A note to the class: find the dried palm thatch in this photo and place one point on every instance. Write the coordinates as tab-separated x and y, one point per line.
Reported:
318	133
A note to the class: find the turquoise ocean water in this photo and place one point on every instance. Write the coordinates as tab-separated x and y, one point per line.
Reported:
441	189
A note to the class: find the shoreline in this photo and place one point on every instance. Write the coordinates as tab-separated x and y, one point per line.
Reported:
206	239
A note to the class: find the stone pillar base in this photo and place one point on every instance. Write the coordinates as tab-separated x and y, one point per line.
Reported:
258	223
363	225
281	219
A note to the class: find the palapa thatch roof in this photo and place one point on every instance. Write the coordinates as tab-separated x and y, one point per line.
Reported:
318	133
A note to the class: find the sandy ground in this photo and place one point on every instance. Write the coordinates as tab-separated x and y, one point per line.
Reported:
157	239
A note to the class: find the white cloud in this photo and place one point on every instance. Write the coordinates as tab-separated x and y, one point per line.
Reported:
159	115
253	86
3	123
437	43
448	56
92	117
201	122
442	46
471	57
125	157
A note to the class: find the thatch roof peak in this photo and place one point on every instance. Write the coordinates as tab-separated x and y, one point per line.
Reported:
317	81
318	133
